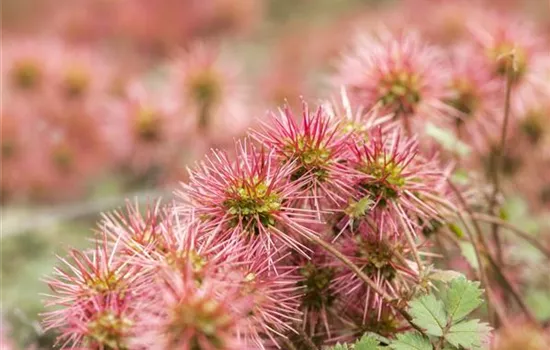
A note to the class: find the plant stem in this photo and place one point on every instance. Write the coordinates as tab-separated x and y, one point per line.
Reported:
387	298
411	243
522	234
497	162
494	265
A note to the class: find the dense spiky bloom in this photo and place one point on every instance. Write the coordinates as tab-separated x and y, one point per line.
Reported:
354	119
317	145
401	75
275	296
318	302
248	199
89	287
187	315
395	177
385	258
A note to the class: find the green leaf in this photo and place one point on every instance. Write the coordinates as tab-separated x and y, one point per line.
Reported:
366	343
456	230
462	298
468	252
467	334
447	140
339	346
429	313
411	341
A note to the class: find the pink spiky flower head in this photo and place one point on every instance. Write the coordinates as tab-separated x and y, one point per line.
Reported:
317	145
318	302
275	296
248	199
356	122
384	257
393	176
187	315
92	286
401	74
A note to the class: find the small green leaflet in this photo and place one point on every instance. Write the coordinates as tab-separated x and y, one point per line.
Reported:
468	334
366	343
340	347
429	313
462	298
359	208
411	341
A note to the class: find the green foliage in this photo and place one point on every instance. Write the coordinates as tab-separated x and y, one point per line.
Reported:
366	343
442	318
447	140
467	334
411	341
429	314
462	298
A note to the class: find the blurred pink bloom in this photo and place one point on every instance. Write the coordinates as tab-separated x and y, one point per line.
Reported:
398	74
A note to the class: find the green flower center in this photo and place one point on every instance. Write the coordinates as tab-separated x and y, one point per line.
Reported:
76	82
464	97
109	330
533	126
376	257
387	179
400	91
205	89
316	280
206	319
253	204
147	125
503	59
312	158
26	74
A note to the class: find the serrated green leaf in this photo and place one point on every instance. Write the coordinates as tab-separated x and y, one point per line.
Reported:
366	343
411	341
467	334
462	298
429	313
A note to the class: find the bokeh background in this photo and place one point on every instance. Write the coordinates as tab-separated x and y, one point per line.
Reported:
104	100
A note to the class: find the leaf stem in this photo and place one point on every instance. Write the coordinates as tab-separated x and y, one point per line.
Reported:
498	158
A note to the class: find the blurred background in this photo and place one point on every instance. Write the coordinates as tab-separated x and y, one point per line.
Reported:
104	100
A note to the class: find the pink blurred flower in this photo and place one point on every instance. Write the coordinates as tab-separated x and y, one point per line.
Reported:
400	74
210	93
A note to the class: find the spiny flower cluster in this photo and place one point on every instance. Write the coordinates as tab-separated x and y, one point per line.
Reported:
234	262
